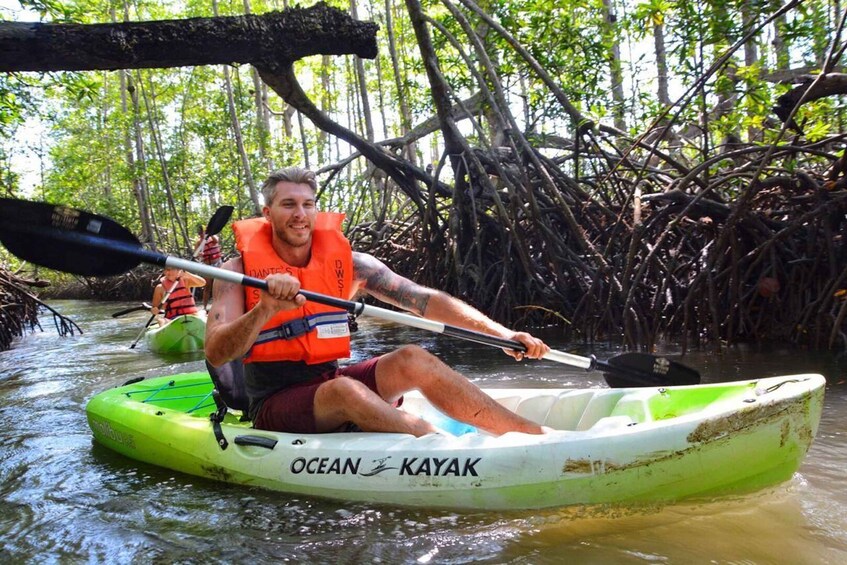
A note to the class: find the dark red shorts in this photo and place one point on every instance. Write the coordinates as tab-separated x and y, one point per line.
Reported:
293	409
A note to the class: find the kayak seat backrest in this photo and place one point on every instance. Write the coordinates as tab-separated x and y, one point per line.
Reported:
600	406
229	382
567	411
510	402
636	405
536	408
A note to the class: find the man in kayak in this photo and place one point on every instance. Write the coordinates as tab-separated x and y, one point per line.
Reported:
290	347
172	297
209	250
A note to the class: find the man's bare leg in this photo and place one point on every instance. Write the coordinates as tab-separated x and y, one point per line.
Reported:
413	368
343	400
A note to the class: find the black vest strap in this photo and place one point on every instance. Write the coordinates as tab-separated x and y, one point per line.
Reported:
300	326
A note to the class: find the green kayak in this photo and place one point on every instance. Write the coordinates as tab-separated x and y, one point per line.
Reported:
183	334
622	445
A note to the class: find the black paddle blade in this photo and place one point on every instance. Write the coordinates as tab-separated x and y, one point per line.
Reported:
120	313
643	369
219	220
66	239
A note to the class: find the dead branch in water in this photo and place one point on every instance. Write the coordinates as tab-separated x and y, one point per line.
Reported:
19	309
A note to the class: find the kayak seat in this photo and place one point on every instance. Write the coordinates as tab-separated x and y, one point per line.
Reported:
567	410
536	408
636	405
598	407
229	382
510	402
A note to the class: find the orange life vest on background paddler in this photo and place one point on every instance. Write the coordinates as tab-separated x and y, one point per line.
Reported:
211	251
313	333
180	301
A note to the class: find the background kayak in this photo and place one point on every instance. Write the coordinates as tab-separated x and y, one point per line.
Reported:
183	334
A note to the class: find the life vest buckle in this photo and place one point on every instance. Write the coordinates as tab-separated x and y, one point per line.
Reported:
295	328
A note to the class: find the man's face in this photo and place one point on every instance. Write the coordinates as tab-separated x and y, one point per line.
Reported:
292	213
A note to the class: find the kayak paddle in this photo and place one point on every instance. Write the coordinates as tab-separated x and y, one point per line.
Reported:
65	239
143	306
153	316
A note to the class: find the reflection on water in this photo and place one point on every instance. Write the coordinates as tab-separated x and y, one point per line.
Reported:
64	498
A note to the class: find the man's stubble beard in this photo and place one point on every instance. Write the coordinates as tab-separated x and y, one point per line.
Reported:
282	236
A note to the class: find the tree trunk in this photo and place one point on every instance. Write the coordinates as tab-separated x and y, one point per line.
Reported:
749	12
175	216
270	39
239	137
783	58
263	122
661	65
327	88
402	94
363	86
140	159
615	71
137	181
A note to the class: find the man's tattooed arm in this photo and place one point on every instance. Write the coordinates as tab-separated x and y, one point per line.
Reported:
371	275
229	332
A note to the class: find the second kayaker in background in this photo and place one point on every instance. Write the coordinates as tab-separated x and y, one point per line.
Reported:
172	297
209	251
290	347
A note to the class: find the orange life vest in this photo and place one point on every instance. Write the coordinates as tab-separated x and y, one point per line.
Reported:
313	333
211	251
180	301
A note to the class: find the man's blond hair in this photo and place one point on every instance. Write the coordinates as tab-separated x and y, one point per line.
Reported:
297	175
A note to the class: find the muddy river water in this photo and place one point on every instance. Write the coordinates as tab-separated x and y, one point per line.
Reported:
65	499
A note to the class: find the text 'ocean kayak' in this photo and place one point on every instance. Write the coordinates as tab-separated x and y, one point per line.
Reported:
183	334
625	445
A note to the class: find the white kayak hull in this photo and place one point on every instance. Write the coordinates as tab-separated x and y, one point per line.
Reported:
638	445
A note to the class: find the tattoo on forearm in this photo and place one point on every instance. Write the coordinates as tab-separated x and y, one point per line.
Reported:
391	287
407	296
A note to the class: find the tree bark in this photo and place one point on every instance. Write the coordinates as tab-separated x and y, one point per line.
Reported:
269	38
